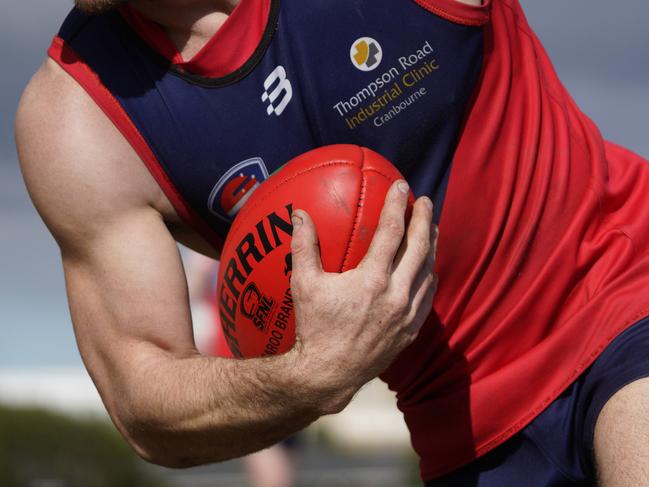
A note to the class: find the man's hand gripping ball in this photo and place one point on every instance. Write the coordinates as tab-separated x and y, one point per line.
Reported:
350	300
351	326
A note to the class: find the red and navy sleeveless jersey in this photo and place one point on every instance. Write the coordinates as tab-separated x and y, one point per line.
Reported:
315	74
544	228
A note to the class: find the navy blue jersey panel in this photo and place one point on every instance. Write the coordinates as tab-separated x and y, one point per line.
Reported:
557	448
384	74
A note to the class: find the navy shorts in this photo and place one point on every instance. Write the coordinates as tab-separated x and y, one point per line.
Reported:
556	449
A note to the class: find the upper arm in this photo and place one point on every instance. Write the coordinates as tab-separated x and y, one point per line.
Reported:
125	282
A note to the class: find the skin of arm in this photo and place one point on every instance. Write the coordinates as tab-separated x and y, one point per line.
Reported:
129	302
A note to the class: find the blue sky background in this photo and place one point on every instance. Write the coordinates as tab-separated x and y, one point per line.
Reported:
601	52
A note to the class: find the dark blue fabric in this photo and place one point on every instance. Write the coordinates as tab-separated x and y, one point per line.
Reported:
556	449
199	132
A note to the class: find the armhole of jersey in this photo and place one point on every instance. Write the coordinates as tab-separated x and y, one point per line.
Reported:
67	58
458	12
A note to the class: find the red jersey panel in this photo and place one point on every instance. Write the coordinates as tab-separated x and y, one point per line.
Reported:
543	257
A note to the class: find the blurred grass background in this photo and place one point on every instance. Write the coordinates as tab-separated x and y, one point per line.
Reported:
41	448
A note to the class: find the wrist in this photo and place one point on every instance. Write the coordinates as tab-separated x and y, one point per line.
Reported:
318	385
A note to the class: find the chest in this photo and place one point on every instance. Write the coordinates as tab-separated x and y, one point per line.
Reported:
385	74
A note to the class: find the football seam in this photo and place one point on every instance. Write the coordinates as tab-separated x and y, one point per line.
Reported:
359	207
357	217
284	181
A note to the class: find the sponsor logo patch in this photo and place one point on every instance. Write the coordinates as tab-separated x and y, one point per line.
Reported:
366	54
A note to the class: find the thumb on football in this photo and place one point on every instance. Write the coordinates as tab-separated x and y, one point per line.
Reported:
304	245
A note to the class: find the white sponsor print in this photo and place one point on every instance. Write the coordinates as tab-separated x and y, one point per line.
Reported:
279	98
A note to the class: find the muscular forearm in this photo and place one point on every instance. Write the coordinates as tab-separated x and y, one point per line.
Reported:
176	407
195	410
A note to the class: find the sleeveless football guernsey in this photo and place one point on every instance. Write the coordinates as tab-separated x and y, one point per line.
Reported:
544	227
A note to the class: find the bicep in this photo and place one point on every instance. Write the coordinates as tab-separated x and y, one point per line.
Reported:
126	286
129	306
128	301
124	277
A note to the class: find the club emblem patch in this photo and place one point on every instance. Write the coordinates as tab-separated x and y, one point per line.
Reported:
235	187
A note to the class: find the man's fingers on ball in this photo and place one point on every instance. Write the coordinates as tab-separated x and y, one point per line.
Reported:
423	292
426	282
422	306
390	230
435	240
417	247
304	245
432	255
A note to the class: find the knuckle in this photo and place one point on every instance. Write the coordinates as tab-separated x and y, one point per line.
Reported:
298	284
430	280
297	247
398	302
375	282
411	336
407	337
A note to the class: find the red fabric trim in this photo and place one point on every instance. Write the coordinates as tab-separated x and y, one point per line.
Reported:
458	12
228	49
65	56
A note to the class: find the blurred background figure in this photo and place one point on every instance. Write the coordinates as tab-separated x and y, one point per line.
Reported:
275	466
202	273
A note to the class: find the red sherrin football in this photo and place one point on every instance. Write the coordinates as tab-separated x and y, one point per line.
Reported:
343	188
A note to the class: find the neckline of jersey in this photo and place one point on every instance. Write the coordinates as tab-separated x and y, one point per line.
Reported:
225	52
459	12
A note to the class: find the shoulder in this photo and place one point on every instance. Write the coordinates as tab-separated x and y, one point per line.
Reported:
78	168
